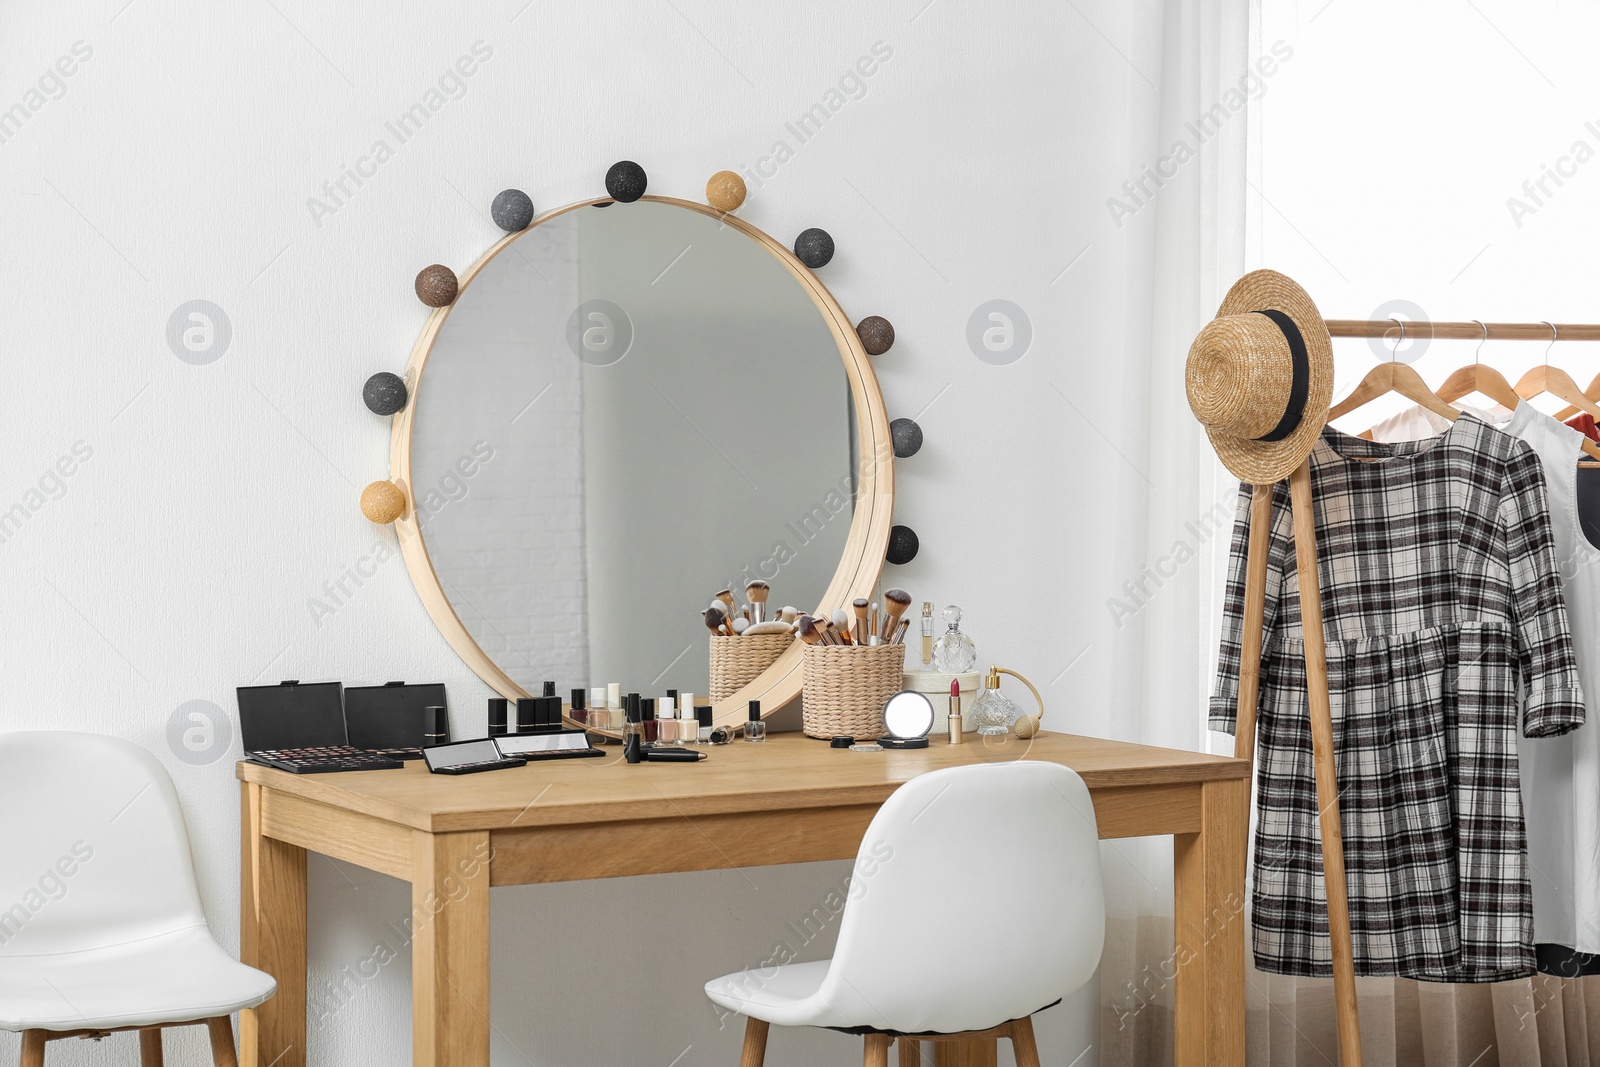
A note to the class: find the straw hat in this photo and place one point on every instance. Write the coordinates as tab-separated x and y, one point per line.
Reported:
1260	377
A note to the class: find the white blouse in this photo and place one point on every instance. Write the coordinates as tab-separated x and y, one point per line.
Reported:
1560	775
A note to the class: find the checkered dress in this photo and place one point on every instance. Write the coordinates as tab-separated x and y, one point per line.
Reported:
1441	607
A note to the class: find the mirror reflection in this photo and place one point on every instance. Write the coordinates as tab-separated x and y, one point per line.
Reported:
628	408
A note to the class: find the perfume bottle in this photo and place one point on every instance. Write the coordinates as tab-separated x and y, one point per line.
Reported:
954	653
992	710
927	633
755	729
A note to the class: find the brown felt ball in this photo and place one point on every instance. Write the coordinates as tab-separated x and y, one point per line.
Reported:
383	502
876	333
725	191
436	286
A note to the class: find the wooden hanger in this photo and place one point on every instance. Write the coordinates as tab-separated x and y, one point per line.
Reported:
1593	393
1559	384
1477	377
1393	377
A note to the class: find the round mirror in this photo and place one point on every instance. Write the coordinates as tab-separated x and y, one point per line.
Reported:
627	408
908	714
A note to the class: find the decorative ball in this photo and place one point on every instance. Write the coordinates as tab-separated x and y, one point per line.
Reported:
876	333
383	502
902	545
625	181
814	247
512	210
725	191
907	437
437	286
385	393
1025	726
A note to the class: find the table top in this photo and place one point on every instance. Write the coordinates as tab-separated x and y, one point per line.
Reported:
785	772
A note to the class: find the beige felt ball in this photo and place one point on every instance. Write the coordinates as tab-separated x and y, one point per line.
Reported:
725	191
436	285
1026	725
383	502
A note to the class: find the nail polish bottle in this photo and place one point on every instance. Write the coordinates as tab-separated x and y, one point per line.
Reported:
667	719
647	720
632	741
687	730
580	707
497	716
616	710
702	715
755	729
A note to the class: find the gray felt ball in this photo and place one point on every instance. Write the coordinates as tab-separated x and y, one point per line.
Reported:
626	181
903	545
512	210
907	438
814	247
385	393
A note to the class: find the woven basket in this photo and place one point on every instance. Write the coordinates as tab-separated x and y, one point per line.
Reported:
738	661
846	687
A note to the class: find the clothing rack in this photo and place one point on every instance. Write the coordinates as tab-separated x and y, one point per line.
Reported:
1317	697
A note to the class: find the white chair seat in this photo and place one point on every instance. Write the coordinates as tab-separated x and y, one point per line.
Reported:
177	977
783	995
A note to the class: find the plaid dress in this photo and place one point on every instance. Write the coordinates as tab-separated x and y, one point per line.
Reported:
1441	607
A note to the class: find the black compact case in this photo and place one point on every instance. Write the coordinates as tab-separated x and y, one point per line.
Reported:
394	718
301	729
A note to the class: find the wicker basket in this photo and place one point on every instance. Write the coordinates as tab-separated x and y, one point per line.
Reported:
847	686
738	661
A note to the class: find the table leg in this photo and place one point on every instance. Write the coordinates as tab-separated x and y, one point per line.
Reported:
980	1052
272	937
450	950
1208	868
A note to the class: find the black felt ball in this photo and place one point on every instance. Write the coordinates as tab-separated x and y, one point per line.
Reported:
814	247
626	182
902	545
385	393
512	210
907	438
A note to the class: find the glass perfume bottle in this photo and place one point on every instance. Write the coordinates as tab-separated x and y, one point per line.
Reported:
954	652
992	710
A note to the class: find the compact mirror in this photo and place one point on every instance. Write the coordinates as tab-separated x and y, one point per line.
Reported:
627	408
907	715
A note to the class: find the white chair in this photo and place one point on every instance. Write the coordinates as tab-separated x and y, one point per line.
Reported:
100	922
975	902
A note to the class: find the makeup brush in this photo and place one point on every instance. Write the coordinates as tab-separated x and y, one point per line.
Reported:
859	605
756	592
900	632
715	620
841	622
807	629
872	634
789	615
771	626
741	625
726	596
895	604
831	632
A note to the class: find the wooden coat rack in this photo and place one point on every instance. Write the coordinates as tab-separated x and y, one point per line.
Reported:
1318	703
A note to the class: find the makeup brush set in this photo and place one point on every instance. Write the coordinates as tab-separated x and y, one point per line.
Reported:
726	619
864	624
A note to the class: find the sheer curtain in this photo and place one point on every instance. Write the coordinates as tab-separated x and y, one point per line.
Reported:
1186	246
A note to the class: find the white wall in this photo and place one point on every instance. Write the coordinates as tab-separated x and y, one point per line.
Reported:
1400	154
211	536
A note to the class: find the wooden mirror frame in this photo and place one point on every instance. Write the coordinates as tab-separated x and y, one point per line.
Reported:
859	566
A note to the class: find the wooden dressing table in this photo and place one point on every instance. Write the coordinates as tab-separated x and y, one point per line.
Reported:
790	800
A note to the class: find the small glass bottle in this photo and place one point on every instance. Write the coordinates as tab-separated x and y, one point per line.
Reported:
927	633
632	741
755	729
579	710
667	720
616	710
702	718
992	711
954	653
648	720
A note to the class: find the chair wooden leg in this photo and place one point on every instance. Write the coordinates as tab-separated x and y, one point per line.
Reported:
908	1052
222	1053
33	1048
755	1043
1022	1046
877	1051
150	1048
